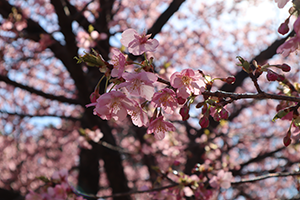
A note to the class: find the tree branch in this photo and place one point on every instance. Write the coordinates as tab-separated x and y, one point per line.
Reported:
28	115
125	193
272	175
164	17
39	92
263	95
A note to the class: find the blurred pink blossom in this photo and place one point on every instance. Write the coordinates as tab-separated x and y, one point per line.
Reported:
138	44
223	180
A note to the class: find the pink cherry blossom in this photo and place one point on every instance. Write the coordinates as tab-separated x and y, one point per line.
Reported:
61	175
57	193
159	127
289	46
187	81
138	116
139	84
166	98
138	44
223	180
281	3
119	61
33	196
292	44
112	105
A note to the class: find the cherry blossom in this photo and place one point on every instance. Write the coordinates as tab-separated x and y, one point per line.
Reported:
138	44
119	61
138	116
112	105
139	84
159	127
187	81
33	196
293	43
166	98
223	180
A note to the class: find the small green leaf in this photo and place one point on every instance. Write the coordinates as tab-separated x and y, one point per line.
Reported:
281	114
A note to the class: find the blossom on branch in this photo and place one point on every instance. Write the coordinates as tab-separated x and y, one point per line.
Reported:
187	81
293	43
112	105
139	84
223	180
138	44
138	116
166	98
159	127
119	61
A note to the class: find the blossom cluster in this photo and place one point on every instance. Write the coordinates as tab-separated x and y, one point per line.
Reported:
57	188
133	88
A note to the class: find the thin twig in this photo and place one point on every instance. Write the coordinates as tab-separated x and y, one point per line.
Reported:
259	178
236	96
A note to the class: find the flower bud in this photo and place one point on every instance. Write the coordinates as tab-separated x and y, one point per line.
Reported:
285	67
287	139
271	76
94	96
184	112
217	117
180	100
230	80
204	121
176	163
284	28
224	113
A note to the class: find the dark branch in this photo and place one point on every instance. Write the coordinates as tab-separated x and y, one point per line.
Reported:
164	17
259	178
38	92
28	115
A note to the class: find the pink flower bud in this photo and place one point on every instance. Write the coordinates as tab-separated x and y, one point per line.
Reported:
271	76
217	117
230	80
184	112
94	96
284	28
285	67
224	113
181	100
287	139
204	121
176	163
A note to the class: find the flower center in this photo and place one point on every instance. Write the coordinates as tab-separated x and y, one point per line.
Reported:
186	80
